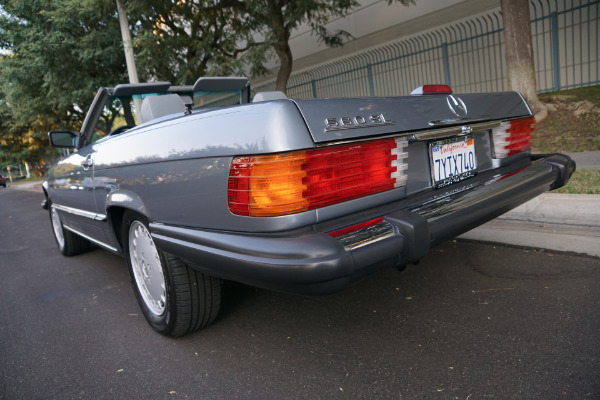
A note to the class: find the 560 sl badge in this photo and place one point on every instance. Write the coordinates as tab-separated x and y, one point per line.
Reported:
342	123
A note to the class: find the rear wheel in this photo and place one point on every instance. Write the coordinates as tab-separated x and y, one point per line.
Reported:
174	298
68	242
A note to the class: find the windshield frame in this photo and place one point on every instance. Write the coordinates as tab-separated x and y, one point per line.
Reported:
207	86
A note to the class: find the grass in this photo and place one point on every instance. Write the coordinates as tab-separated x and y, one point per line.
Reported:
583	181
572	125
573	122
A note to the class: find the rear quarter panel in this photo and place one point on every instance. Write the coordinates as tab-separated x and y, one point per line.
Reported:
176	171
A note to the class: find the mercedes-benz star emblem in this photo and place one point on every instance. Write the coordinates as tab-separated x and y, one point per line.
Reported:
457	106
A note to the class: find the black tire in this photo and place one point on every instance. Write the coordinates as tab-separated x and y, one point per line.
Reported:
175	299
69	243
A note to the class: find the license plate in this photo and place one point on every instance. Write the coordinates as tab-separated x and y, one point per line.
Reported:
453	160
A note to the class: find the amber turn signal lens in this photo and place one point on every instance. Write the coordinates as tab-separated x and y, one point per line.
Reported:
267	186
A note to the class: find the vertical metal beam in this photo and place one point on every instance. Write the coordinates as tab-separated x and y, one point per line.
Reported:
555	49
370	79
446	62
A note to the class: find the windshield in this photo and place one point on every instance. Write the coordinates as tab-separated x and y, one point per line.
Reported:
121	113
216	99
118	112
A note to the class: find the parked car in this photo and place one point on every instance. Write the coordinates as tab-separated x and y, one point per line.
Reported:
2	181
195	184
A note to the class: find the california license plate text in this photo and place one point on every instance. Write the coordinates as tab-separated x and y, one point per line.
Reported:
453	160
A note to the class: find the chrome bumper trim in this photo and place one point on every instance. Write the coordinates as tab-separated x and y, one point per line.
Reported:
366	236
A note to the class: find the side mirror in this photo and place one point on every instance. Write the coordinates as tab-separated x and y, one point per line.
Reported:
64	139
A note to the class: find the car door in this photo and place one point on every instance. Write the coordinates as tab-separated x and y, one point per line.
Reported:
71	187
72	194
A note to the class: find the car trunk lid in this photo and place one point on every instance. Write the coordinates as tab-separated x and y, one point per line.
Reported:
355	118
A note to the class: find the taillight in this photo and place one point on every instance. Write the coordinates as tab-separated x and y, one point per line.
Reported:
357	227
432	89
264	186
267	185
513	137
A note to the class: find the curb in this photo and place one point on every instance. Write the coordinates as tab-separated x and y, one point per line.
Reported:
552	221
32	186
558	208
586	159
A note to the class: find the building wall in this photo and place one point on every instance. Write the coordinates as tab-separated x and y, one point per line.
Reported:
460	44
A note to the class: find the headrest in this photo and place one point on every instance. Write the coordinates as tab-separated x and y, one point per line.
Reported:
266	96
158	106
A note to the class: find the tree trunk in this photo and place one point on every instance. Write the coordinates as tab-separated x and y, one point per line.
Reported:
518	53
285	66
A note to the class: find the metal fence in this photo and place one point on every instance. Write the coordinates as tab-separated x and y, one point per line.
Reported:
467	55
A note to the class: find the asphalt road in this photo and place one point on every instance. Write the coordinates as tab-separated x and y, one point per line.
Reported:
471	321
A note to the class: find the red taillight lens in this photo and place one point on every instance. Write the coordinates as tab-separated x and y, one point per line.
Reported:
347	172
356	227
289	183
513	137
432	89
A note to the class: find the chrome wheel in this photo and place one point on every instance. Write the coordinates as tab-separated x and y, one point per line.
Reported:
57	227
147	268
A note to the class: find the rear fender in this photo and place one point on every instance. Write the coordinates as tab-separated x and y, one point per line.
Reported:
118	202
126	199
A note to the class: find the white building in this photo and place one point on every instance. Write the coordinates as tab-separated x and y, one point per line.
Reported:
458	42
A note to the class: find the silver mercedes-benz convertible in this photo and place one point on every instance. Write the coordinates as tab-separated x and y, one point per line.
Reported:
195	184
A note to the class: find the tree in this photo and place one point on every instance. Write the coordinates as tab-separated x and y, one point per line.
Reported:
518	52
274	21
18	143
181	41
57	54
184	40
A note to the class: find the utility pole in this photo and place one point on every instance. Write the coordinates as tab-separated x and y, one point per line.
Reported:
127	44
129	56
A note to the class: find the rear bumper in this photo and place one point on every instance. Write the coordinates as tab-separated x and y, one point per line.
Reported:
312	262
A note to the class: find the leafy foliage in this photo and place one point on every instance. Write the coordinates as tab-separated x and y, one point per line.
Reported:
274	21
182	41
220	37
56	55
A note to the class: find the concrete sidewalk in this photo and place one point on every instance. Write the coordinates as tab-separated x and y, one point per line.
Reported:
552	221
34	186
586	159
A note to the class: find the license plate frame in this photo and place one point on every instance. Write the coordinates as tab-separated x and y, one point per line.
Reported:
452	160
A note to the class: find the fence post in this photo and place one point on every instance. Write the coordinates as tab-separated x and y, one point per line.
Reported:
446	62
555	49
313	84
370	78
